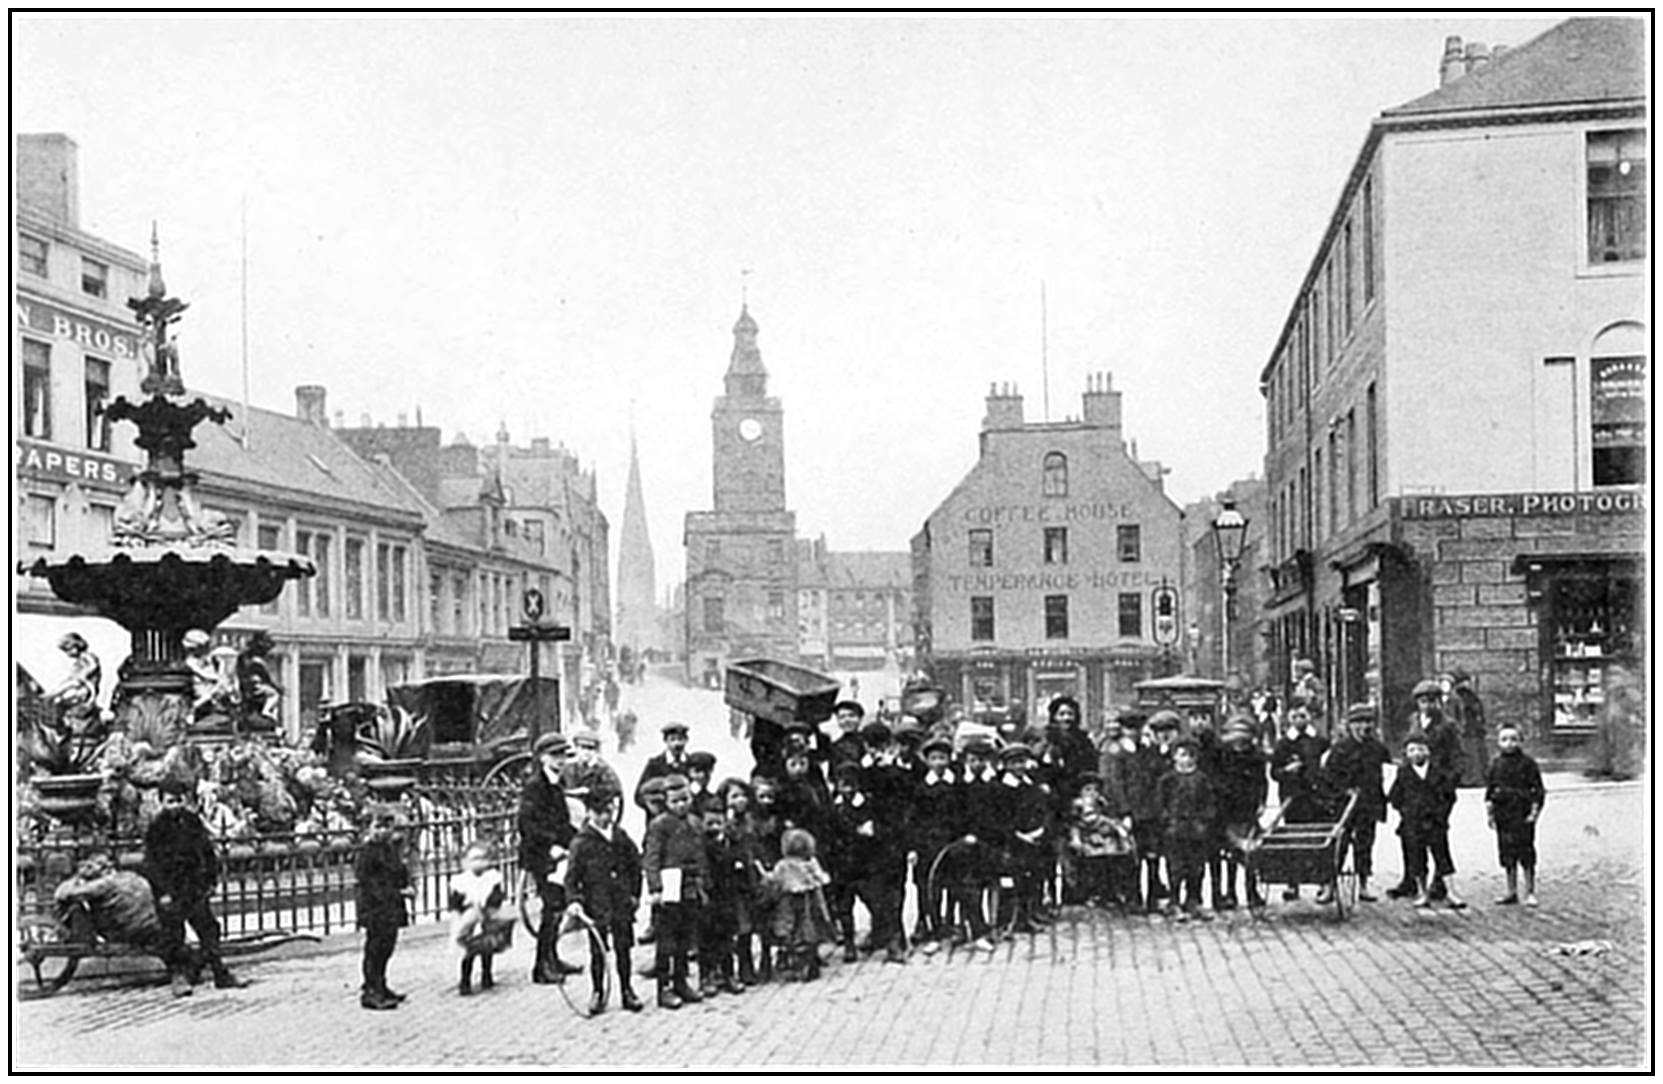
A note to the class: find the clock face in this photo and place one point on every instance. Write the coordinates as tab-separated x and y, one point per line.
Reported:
750	429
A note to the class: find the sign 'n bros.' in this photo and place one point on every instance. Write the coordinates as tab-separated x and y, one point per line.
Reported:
44	319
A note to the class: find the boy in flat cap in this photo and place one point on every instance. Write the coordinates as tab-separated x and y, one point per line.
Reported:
701	766
860	848
935	824
1242	787
545	824
1188	811
1357	762
678	874
980	819
1513	799
1026	811
382	881
1443	745
603	882
1423	795
672	761
1150	764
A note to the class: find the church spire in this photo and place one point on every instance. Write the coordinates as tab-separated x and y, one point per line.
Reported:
637	624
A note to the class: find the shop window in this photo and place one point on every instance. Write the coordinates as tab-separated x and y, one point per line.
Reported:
715	617
37	389
1131	615
1617	408
1591	629
981	548
31	254
1056	545
1055	482
981	617
1617	196
95	278
1056	617
1128	542
97	397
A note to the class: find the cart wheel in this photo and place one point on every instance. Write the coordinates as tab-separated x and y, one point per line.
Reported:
53	969
515	769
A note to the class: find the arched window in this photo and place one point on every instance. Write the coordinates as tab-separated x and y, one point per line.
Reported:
1056	475
1617	405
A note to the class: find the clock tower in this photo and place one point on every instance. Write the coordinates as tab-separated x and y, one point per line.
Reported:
747	431
741	592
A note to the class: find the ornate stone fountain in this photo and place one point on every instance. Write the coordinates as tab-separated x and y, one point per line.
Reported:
171	566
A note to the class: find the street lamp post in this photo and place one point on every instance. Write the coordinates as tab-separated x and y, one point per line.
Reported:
1230	532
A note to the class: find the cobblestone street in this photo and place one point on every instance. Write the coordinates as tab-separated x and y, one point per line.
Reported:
1562	986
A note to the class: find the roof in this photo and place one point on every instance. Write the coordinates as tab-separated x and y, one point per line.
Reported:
869	569
1579	61
1579	65
285	452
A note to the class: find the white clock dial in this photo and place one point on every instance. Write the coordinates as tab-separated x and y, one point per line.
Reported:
750	429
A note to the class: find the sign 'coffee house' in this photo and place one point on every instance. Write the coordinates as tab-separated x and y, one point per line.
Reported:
1538	596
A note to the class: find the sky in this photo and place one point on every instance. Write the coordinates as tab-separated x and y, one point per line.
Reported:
548	222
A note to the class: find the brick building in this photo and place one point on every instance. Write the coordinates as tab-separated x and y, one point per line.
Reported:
1042	572
1457	441
741	587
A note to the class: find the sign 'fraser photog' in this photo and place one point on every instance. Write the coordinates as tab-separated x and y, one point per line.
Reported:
1598	502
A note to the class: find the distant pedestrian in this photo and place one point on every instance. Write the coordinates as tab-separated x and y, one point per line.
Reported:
478	926
1466	714
1513	799
383	886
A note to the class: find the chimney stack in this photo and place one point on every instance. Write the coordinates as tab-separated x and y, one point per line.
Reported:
1004	408
1495	52
47	177
1101	403
1478	56
309	404
1453	65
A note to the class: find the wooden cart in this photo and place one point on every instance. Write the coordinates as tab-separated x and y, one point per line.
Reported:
1313	852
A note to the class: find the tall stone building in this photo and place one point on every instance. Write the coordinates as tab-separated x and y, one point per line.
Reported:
741	555
636	627
1053	568
1457	412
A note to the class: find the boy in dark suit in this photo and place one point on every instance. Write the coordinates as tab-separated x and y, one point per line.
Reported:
1423	794
1513	797
673	761
182	866
1025	809
603	882
935	824
678	874
1188	812
383	885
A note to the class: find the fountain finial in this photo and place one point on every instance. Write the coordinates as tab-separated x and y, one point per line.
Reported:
158	288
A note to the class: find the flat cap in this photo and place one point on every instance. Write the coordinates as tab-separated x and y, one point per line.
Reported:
672	727
551	743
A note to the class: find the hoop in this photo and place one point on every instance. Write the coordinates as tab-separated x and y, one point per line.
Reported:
569	924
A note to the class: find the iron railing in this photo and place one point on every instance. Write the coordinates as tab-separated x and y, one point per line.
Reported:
302	882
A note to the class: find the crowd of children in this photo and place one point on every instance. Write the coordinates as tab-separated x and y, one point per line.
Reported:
748	878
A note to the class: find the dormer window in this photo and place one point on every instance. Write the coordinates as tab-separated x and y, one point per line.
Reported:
1055	475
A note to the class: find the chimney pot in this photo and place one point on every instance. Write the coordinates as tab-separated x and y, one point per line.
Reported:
1478	56
1453	66
309	404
